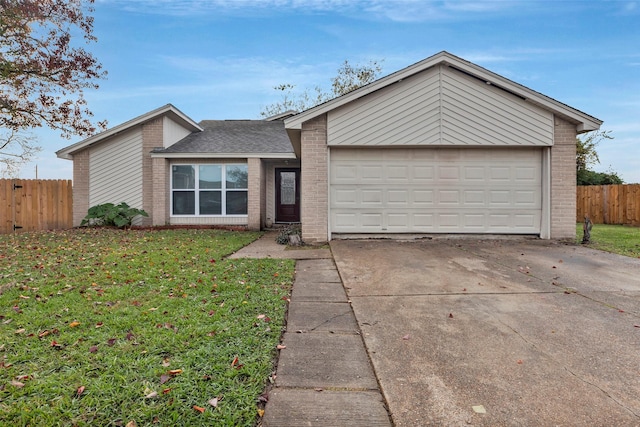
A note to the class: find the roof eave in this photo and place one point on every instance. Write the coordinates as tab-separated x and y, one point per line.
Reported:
584	122
223	155
168	109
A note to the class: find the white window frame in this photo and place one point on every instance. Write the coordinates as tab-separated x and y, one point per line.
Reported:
197	190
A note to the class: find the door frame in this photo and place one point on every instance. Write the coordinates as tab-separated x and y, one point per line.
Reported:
296	206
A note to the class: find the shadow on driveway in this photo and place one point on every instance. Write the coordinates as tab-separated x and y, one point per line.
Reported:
498	332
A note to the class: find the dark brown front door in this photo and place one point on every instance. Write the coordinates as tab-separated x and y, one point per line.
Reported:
287	195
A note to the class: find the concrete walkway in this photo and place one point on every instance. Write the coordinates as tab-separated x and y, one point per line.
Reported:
324	375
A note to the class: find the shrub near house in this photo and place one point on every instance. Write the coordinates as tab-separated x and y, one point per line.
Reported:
110	215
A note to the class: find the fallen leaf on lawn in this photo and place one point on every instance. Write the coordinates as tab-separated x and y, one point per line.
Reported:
236	364
80	390
55	345
406	337
20	331
175	372
23	297
132	423
99	325
93	349
281	347
165	363
166	390
17	384
479	409
74	324
213	402
198	408
261	413
151	395
111	341
164	378
260	316
23	377
130	336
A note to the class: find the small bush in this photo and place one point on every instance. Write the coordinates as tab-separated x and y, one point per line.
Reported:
110	215
289	230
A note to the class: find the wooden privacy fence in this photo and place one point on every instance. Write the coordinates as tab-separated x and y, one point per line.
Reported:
609	204
35	204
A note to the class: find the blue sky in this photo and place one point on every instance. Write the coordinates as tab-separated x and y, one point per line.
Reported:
220	59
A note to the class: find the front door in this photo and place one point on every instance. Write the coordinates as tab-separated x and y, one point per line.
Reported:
287	195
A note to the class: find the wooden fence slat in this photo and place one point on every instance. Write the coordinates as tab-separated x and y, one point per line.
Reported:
38	205
609	204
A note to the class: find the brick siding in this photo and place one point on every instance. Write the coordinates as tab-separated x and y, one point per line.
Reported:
152	137
160	209
80	186
314	180
254	193
563	181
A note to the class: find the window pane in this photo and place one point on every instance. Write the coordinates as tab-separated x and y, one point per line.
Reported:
210	202
184	203
183	176
236	202
288	188
210	176
237	176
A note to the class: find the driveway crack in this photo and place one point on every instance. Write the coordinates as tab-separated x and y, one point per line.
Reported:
603	391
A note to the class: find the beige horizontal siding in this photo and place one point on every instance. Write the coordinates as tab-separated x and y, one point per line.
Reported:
474	113
406	113
440	106
116	171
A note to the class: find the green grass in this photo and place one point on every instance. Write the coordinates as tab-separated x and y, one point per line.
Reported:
115	311
618	239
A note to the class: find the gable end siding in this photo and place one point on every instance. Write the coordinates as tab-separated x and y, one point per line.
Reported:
440	106
172	132
116	171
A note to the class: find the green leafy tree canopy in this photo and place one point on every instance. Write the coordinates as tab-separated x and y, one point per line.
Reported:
587	156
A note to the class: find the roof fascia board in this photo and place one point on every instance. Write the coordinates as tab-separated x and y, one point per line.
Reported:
296	121
584	121
168	109
224	155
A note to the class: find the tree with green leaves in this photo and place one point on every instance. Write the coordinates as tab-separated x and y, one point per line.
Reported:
348	78
44	70
587	156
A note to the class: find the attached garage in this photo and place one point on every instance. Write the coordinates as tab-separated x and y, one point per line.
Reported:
442	146
436	190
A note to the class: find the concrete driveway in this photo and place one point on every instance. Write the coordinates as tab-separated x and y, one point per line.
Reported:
511	332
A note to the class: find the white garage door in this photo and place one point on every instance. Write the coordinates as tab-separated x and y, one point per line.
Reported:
436	190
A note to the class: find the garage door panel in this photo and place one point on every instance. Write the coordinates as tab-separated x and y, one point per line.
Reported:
458	190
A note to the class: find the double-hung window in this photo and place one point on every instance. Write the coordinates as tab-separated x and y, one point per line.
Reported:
206	190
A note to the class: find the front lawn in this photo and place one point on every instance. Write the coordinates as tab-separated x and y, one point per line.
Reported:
619	239
123	328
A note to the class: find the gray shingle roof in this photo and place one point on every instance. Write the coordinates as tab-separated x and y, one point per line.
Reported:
235	136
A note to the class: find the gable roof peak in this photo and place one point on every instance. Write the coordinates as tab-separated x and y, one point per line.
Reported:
166	110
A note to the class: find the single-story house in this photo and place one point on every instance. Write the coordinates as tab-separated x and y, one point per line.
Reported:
442	146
